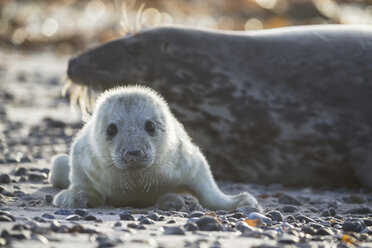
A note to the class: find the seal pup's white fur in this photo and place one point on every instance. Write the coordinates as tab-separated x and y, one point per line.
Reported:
120	159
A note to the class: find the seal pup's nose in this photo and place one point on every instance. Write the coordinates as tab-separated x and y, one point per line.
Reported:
134	153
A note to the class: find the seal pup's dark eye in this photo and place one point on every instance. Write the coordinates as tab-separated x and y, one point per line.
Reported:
111	130
150	127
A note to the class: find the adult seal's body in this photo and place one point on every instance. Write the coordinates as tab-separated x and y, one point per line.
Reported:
291	105
131	152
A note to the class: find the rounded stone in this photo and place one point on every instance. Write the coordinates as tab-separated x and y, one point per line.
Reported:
4	178
287	199
174	230
275	215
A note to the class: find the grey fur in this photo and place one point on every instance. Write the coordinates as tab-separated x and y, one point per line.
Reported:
291	105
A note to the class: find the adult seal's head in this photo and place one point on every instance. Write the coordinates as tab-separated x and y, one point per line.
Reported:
130	128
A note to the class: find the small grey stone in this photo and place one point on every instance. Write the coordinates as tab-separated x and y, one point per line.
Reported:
236	215
287	199
242	226
308	230
263	218
48	198
39	219
90	218
45	170
275	215
5	218
288	239
353	226
39	237
289	208
7	214
146	221
37	177
355	199
4	178
21	171
323	231
367	222
170	222
126	216
174	230
153	216
304	218
20	235
63	212
48	216
73	217
81	212
208	223
191	227
361	210
117	224
196	214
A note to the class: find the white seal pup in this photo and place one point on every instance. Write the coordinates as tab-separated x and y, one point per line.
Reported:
131	152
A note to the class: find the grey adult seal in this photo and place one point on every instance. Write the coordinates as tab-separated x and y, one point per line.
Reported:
289	105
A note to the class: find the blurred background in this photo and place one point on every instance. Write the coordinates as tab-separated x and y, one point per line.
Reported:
69	26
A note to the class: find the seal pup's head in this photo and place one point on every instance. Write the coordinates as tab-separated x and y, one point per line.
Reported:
131	126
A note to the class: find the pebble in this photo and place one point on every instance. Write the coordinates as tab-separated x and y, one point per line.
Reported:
304	218
289	209
263	218
74	217
126	216
353	226
48	216
191	227
153	216
209	223
105	242
20	235
287	199
145	221
39	219
174	230
8	215
21	171
39	237
4	178
63	212
242	226
275	215
48	198
324	231
81	212
361	210
196	214
236	215
90	218
368	222
308	230
117	224
355	199
288	239
5	218
37	177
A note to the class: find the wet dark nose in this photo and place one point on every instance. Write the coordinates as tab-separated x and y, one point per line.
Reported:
134	153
